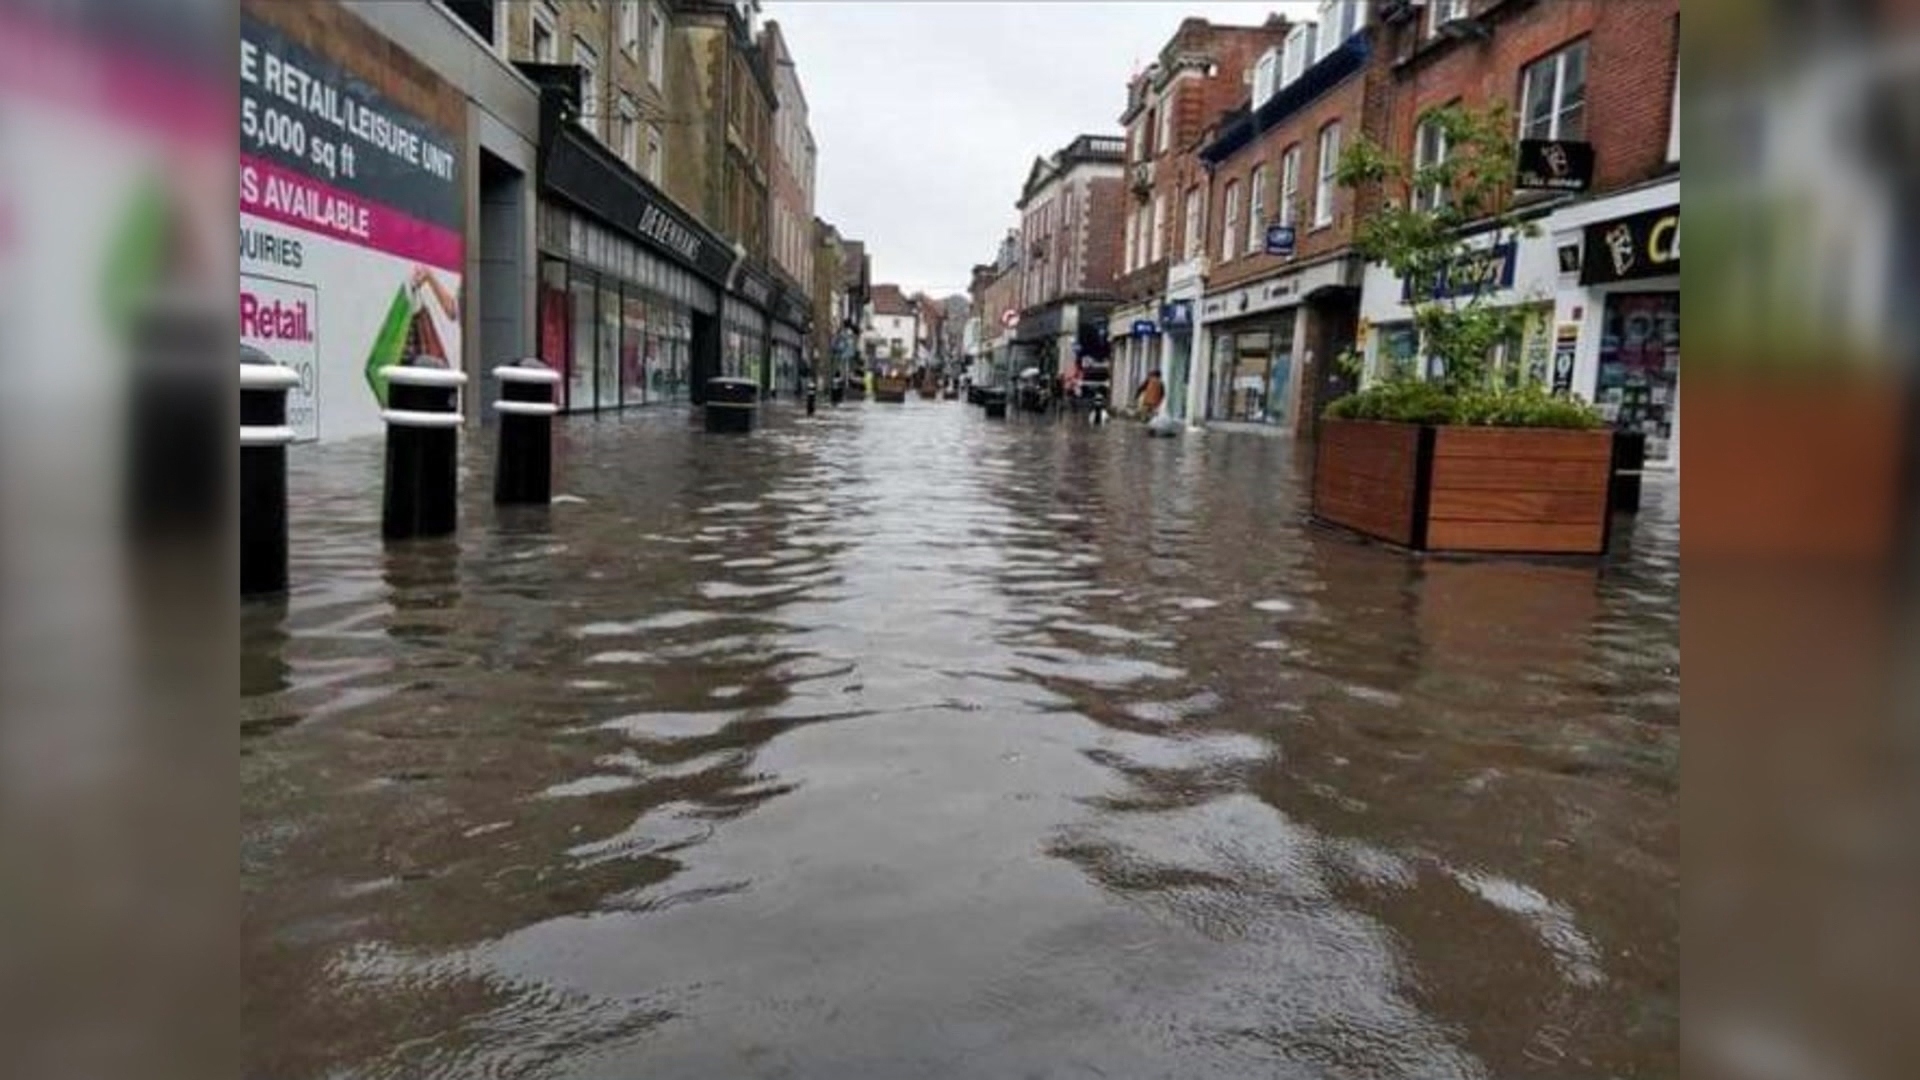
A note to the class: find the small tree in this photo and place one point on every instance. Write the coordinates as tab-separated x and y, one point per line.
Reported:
1426	244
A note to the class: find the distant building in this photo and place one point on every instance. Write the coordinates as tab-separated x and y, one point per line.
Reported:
1070	214
893	326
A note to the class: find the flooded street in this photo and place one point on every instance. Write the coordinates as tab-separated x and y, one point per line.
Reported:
898	743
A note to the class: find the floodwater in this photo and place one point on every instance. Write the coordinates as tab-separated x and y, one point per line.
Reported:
899	743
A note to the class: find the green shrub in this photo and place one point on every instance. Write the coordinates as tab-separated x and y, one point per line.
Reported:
1412	401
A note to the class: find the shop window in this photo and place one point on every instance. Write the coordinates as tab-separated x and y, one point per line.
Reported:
1429	150
1290	185
1553	95
580	365
1230	231
553	322
1638	385
1329	162
634	347
609	344
1256	208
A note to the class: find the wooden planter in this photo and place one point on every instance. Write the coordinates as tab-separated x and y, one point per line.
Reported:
1516	490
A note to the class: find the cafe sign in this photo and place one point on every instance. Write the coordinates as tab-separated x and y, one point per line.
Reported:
1625	249
1555	165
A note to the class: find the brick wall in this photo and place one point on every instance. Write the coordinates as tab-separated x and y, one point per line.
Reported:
335	33
1346	104
1631	54
1106	203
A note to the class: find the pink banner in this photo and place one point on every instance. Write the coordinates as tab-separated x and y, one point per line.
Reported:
288	198
46	62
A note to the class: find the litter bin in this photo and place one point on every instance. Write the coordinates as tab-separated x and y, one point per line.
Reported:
732	404
1629	464
994	398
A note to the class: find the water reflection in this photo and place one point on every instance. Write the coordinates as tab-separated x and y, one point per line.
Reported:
899	743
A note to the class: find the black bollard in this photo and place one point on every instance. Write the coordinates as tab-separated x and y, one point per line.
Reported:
811	394
837	389
523	467
423	451
995	400
264	436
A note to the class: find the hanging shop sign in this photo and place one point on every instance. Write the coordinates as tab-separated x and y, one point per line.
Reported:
1472	272
1624	249
1555	165
1280	240
352	223
1177	315
1144	328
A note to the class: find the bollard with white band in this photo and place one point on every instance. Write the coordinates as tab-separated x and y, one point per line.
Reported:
423	450
264	436
523	468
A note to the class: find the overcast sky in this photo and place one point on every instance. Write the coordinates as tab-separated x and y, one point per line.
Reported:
928	115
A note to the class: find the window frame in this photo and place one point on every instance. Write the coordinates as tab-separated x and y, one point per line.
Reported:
1673	118
589	78
1191	245
1327	162
543	21
1454	9
1165	134
629	119
1158	245
1297	52
1558	58
1290	161
656	156
1434	197
1230	223
630	27
1256	207
656	44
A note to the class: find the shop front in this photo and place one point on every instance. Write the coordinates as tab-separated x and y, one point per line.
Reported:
630	287
1176	355
1501	272
1261	340
1135	337
790	328
1618	312
746	332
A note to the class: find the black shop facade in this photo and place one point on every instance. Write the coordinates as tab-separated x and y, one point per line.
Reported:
639	303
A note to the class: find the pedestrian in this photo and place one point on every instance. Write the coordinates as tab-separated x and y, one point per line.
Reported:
1150	394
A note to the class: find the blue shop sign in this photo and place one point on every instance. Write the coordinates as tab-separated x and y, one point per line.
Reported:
1144	328
1177	314
1280	240
1474	272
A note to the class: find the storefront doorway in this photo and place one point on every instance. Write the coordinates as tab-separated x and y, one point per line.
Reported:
1253	371
1638	388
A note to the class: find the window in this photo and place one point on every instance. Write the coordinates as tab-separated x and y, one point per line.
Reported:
1256	209
1230	233
1298	54
1290	185
630	27
1429	149
656	45
629	131
1673	122
545	47
1159	245
589	64
1191	246
1133	241
1266	77
1166	125
1339	20
1442	12
1328	163
1553	95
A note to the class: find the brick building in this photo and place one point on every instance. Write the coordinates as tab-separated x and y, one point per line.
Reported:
1200	73
790	168
1071	208
1272	314
1600	283
995	291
